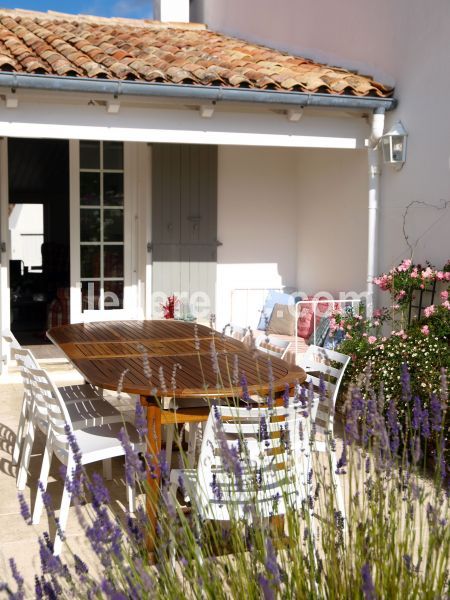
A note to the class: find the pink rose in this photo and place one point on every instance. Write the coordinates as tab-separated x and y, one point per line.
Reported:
446	304
444	295
440	275
425	330
372	339
429	310
414	273
377	313
381	346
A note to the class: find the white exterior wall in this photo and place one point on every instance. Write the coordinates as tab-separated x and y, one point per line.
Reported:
406	43
332	221
257	221
282	224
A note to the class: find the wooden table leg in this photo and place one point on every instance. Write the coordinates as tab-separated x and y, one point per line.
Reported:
154	448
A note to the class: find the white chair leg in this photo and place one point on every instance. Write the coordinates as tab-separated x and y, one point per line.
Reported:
43	478
20	433
22	472
170	431
107	469
64	509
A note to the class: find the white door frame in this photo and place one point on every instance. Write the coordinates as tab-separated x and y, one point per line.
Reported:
5	250
133	298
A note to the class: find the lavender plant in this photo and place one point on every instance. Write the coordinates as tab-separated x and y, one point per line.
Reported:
392	540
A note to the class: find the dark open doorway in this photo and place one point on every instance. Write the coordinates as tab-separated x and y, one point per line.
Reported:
39	228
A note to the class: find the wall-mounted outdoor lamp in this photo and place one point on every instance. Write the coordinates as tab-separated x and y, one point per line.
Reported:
394	146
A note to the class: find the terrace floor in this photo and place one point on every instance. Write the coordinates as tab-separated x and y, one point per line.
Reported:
19	540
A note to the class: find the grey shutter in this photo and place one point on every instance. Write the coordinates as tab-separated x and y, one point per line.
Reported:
184	220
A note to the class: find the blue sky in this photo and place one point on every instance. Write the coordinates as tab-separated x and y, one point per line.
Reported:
107	8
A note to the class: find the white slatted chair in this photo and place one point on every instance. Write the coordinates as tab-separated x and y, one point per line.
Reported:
317	361
276	348
278	460
84	404
70	393
97	443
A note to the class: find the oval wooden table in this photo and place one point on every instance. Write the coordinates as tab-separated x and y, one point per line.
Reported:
147	354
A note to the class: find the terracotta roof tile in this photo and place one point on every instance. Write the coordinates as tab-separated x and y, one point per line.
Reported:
87	46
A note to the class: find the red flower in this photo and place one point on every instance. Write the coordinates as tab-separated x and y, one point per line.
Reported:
169	307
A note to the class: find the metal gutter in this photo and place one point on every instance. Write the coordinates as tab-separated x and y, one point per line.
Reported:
55	83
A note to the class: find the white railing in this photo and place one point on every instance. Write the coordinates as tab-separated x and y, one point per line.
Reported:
331	304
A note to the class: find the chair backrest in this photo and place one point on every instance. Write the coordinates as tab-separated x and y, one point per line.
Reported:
48	398
251	462
25	361
7	343
330	366
9	338
273	347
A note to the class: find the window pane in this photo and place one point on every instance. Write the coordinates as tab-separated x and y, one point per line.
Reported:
90	293
113	189
89	154
113	295
113	225
89	189
113	257
90	261
90	225
113	155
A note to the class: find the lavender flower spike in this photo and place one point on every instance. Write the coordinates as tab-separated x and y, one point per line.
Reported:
19	595
214	358
244	385
266	588
24	509
435	413
133	464
140	419
416	413
368	587
271	563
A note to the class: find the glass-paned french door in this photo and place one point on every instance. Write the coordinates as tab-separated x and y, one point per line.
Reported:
101	225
